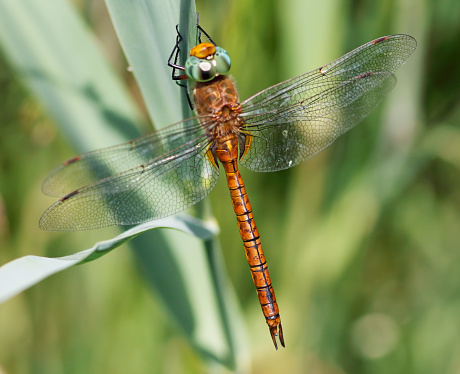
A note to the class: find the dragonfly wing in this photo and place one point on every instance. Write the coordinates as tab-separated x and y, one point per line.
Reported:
303	130
92	167
294	120
154	190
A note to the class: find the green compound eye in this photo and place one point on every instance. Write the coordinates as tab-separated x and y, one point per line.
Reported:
204	70
200	70
221	61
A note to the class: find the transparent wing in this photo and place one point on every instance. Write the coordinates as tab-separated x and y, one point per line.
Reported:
294	120
91	167
164	185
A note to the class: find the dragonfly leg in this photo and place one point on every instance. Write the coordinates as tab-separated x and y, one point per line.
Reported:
174	58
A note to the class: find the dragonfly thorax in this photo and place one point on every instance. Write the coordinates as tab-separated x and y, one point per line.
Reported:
211	97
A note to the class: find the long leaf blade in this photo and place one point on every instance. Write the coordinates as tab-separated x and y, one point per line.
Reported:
22	273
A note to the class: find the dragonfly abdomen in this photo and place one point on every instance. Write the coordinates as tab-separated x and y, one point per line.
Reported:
227	153
219	99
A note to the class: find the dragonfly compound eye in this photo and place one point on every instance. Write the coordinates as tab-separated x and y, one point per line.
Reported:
200	70
204	69
221	61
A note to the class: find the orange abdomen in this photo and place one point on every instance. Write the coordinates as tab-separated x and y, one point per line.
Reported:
219	99
227	153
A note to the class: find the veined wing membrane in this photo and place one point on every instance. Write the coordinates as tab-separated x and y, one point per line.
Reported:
383	54
292	121
156	189
94	166
302	130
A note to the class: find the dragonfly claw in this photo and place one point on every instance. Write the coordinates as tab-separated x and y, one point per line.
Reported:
274	334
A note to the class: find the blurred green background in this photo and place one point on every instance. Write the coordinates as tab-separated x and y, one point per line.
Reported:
362	240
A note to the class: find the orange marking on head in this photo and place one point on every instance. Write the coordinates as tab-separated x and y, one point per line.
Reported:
203	50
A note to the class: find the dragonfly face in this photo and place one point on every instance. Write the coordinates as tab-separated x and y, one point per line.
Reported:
206	61
167	171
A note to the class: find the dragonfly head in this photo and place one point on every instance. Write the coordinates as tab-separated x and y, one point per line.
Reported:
207	61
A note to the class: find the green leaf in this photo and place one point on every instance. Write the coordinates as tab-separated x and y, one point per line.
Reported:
56	56
58	59
147	32
24	272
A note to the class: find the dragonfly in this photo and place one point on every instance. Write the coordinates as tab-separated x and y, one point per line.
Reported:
167	171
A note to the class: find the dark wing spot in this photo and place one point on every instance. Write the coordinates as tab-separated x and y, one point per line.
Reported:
68	196
382	39
72	160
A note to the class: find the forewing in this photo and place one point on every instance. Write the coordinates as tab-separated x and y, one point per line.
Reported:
92	167
292	121
157	189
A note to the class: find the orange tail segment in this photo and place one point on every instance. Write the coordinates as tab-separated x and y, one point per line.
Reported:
227	153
